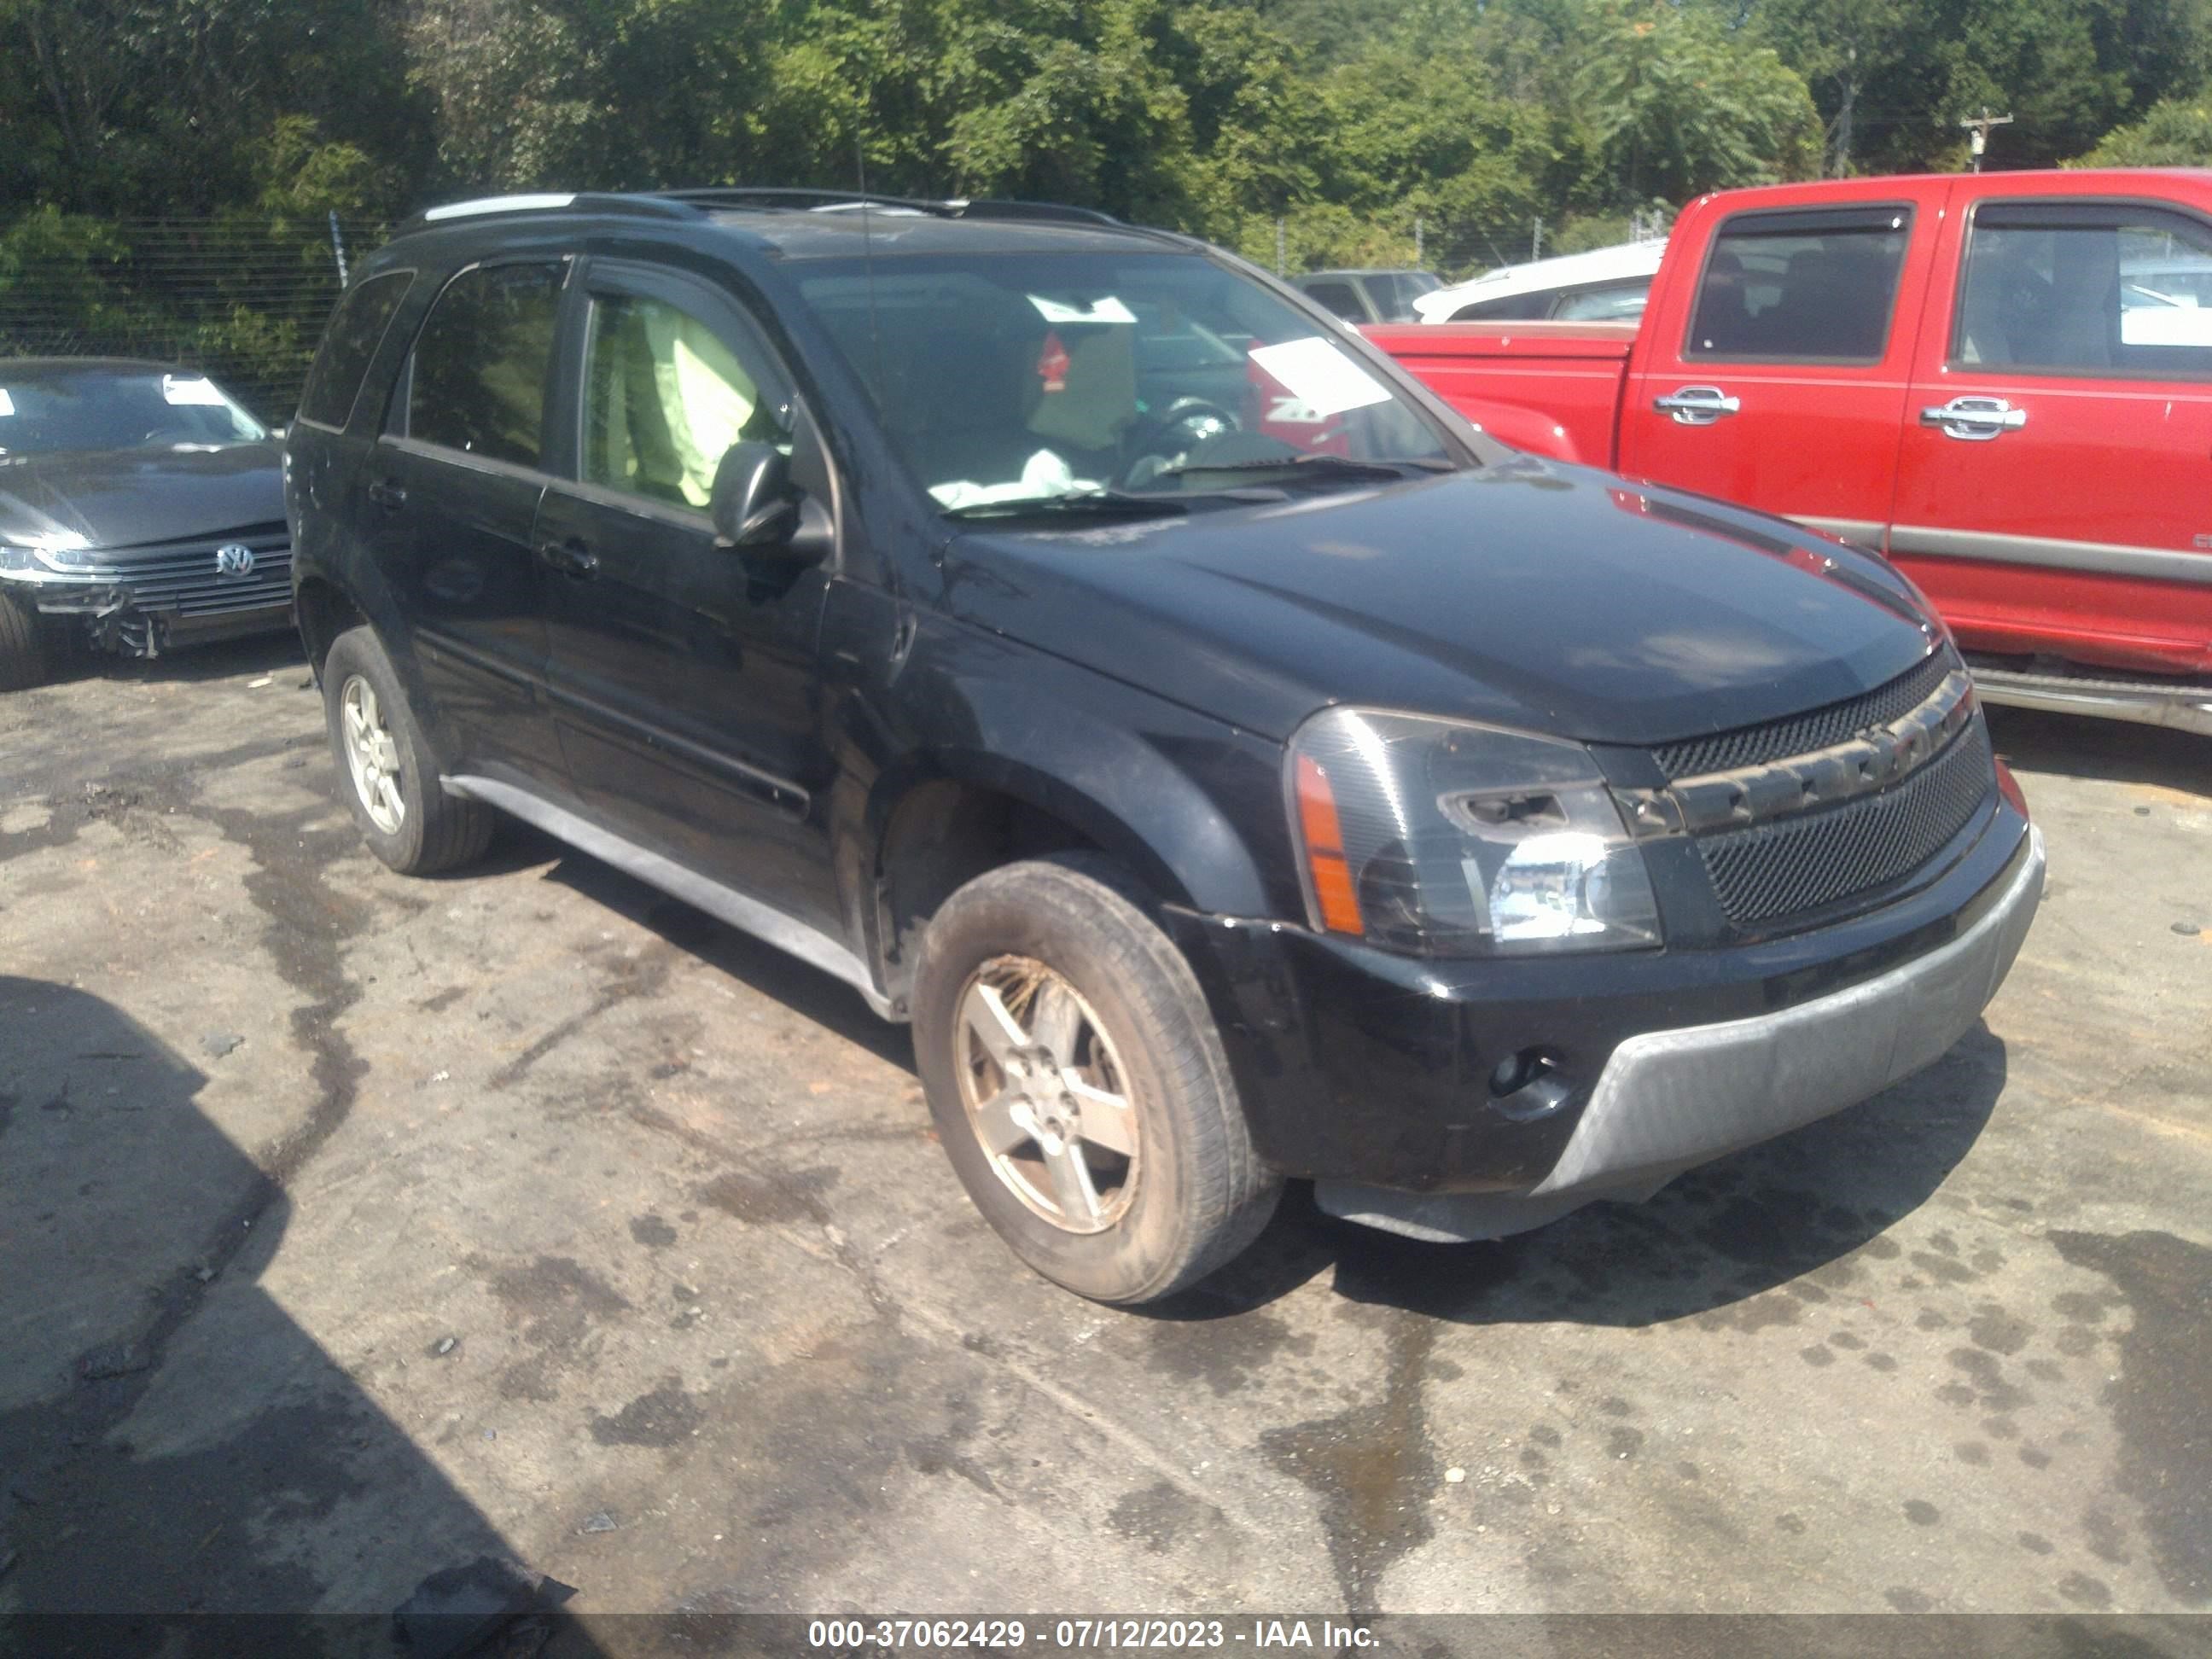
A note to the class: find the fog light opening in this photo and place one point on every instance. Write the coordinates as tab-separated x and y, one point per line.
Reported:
1529	1084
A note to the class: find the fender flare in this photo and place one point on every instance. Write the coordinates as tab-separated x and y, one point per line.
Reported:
1528	430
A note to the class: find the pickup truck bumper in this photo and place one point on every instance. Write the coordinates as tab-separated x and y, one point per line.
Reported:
1469	1100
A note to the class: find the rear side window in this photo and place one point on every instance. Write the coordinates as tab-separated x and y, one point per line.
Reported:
1815	286
356	329
2086	288
1338	297
481	360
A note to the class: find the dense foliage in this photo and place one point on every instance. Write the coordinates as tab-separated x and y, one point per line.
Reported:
1335	125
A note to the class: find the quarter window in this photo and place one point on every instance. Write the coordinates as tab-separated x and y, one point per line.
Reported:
1340	298
2086	289
665	396
1816	287
356	329
481	360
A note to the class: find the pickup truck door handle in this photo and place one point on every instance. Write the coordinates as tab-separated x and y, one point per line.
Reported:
570	558
1974	420
386	494
1697	405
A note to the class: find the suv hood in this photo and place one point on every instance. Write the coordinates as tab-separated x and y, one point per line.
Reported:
127	498
1555	598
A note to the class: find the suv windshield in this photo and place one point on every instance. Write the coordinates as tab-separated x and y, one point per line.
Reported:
48	411
1011	378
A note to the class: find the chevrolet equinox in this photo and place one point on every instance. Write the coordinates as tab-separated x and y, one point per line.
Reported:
1234	765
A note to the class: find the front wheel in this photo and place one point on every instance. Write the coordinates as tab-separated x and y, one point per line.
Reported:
1079	1085
391	781
26	659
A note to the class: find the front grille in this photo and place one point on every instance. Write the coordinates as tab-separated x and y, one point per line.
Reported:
1800	734
1855	850
180	578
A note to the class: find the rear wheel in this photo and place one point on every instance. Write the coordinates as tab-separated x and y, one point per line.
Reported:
26	652
1078	1084
390	780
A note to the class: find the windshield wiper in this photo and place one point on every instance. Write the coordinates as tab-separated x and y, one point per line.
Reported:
1332	467
1104	504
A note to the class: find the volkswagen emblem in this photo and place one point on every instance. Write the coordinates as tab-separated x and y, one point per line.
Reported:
233	559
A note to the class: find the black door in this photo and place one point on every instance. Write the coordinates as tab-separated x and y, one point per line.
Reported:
683	672
453	487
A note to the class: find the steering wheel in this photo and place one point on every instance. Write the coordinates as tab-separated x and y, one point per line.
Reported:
1166	439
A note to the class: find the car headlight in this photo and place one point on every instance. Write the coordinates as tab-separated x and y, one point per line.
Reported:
16	559
1441	838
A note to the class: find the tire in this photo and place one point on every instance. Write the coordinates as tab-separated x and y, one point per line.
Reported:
414	826
26	658
1107	991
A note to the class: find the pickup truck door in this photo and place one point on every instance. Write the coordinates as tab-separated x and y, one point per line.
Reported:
2055	479
1776	377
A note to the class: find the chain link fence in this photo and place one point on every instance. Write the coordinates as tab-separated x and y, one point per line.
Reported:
243	303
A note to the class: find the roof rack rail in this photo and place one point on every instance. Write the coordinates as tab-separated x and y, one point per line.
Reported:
548	202
789	196
986	208
772	196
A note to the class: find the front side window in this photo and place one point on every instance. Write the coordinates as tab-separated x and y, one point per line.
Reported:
356	329
1815	287
54	408
664	398
2086	289
1007	377
481	360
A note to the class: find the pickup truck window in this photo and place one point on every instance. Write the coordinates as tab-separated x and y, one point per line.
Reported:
480	362
1814	287
2078	288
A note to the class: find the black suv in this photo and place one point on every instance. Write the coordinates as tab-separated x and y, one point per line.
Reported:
1233	765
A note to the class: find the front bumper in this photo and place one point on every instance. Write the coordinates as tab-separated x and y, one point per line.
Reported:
1373	1075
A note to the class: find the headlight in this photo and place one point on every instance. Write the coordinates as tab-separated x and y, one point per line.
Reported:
1445	839
14	559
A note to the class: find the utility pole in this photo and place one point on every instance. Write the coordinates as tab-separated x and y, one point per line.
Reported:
1536	241
1416	241
1979	126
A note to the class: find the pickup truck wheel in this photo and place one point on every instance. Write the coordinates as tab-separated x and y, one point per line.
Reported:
25	661
1078	1084
390	783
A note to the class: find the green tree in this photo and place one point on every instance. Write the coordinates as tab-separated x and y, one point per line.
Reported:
2176	133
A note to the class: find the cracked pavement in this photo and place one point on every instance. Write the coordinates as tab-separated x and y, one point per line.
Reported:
357	1226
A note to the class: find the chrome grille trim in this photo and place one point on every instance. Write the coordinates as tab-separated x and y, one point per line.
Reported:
1867	764
180	578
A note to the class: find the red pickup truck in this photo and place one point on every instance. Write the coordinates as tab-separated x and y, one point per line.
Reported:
2003	382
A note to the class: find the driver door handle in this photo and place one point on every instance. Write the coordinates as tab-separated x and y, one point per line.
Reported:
570	558
387	494
1974	420
1697	405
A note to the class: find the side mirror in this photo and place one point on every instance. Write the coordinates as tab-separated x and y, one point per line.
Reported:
754	504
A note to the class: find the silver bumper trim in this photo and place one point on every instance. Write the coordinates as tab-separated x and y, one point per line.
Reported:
1667	1100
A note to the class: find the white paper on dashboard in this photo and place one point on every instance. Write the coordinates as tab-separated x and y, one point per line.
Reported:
1107	310
7	404
189	391
1320	375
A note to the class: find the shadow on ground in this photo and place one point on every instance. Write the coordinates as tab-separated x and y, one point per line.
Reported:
2084	747
171	1443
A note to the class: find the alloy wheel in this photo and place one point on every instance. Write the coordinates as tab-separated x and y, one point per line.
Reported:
372	755
1046	1094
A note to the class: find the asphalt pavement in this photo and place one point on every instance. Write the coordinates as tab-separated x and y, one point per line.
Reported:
359	1227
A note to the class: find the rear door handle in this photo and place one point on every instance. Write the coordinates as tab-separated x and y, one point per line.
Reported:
1697	405
387	494
571	558
1974	420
